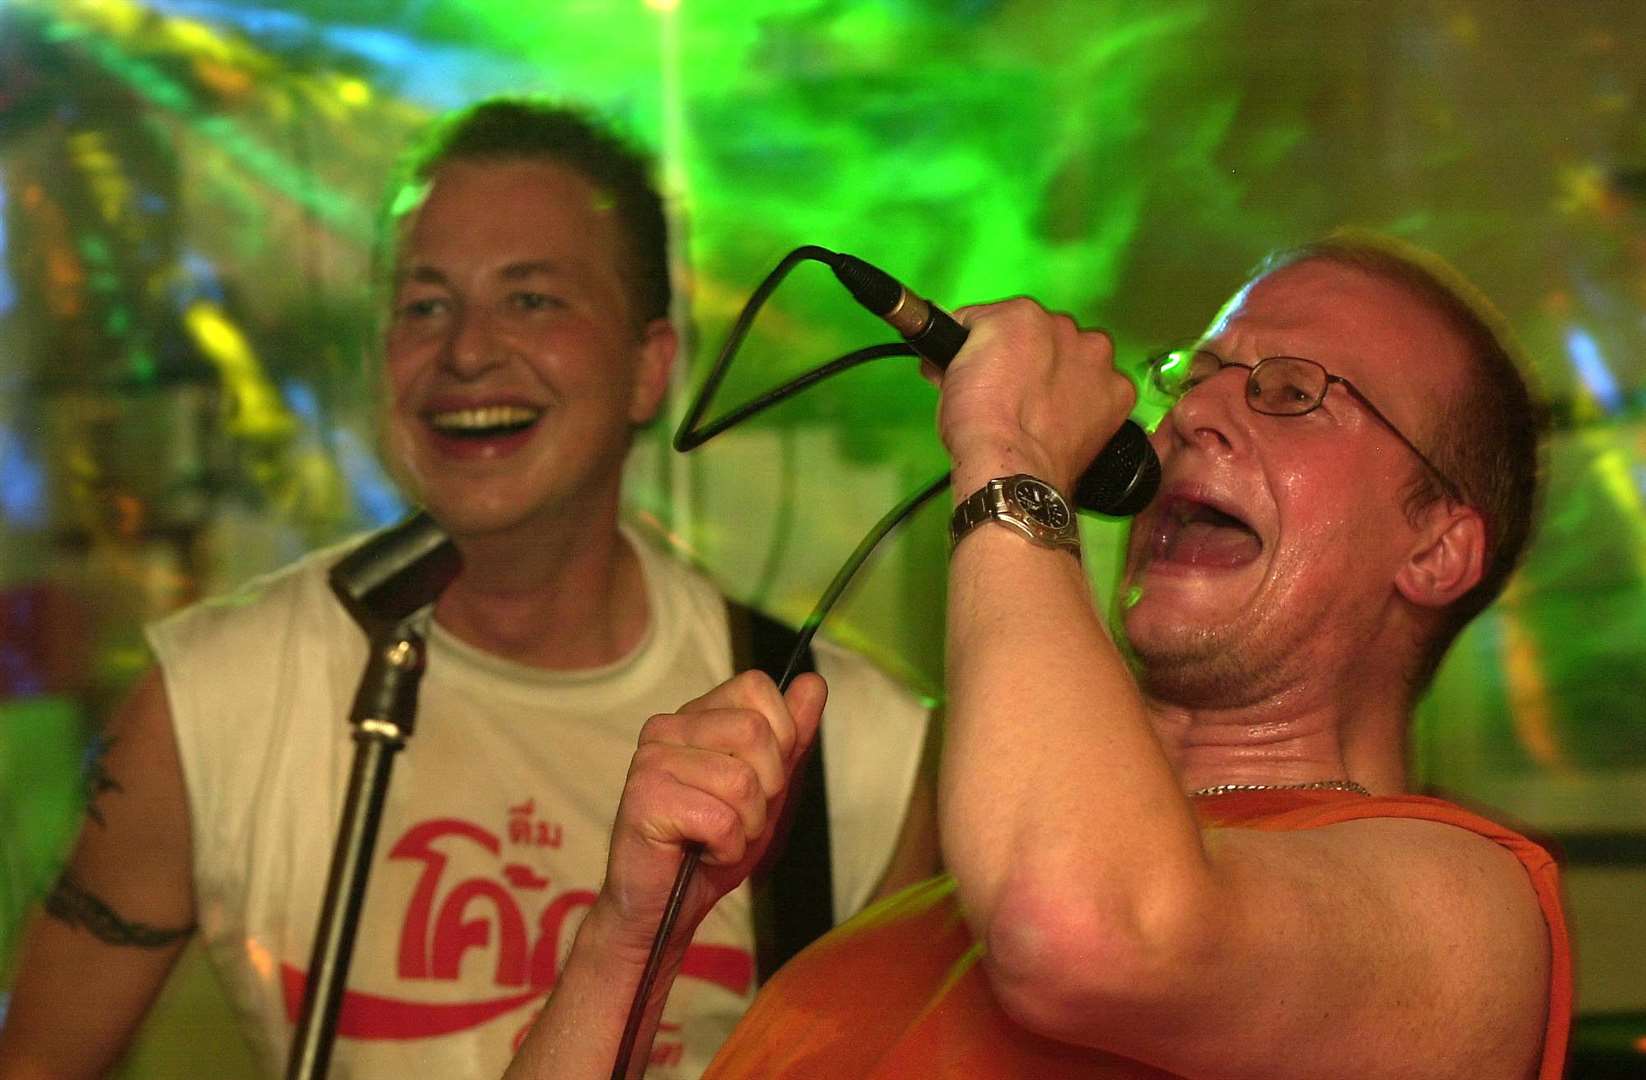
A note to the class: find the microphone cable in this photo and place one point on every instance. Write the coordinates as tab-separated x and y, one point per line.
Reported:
692	433
878	292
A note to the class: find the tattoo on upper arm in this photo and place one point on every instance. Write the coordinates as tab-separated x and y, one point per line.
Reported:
98	780
73	904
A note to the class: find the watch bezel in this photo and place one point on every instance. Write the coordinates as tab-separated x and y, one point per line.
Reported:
1000	500
1050	504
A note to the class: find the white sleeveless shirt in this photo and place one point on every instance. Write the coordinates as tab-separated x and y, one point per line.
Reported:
493	839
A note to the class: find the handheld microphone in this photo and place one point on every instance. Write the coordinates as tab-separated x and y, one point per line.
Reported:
1119	482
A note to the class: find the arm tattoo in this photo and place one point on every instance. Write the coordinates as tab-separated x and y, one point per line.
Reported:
98	780
70	902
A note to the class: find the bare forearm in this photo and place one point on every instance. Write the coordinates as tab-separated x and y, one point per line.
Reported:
712	774
1058	807
1052	777
62	1024
581	1026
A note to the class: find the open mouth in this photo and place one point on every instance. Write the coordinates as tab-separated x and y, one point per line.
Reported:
1194	533
484	422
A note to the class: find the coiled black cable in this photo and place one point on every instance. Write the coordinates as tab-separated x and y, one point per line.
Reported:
691	434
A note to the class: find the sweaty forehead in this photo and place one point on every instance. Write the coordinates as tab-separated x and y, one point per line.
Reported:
1378	333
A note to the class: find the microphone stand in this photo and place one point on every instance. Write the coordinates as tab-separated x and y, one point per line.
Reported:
382	584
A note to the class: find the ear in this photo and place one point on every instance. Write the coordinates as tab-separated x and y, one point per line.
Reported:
658	344
1448	559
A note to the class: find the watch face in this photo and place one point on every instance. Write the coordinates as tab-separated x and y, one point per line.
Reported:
1041	503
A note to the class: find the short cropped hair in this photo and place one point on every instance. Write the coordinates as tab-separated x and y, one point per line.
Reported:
528	129
1488	440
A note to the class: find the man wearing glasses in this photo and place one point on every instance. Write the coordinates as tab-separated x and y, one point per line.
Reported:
1188	853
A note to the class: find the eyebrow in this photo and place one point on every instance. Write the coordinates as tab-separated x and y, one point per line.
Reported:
426	275
518	271
531	268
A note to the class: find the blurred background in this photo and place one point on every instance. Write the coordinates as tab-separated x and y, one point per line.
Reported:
188	191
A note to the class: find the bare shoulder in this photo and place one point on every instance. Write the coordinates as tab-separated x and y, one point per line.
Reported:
1420	851
1419	855
136	841
141	725
1448	878
1427	937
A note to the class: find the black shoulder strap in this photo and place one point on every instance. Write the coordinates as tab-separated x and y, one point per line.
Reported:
794	888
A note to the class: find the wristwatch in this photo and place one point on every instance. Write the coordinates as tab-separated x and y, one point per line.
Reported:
1031	506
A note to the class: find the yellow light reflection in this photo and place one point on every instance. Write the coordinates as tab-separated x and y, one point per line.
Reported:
1612	470
258	411
353	91
1528	692
108	184
260	959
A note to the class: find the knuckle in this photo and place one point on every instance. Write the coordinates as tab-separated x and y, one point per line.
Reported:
746	687
722	826
657	727
645	757
1097	346
752	727
1126	390
743	782
1023	315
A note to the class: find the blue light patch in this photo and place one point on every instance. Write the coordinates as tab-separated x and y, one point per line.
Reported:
434	74
1591	368
22	483
376	498
301	399
8	288
199	280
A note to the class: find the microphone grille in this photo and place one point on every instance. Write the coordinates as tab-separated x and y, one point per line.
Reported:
1124	477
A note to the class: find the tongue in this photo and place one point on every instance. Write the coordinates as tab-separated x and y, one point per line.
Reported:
1202	543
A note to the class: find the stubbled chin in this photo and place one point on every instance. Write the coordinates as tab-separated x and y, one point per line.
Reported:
1172	613
1197	588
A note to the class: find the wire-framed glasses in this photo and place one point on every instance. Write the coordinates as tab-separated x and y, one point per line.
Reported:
1275	386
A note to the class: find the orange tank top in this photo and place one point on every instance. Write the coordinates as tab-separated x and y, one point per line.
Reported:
896	993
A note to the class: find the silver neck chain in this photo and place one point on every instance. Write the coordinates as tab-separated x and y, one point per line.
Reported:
1312	785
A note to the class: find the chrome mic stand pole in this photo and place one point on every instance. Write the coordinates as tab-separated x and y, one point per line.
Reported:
383	584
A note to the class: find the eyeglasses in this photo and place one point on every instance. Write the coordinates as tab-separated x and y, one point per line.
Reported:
1275	386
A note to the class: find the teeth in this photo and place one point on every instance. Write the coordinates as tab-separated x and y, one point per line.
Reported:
486	416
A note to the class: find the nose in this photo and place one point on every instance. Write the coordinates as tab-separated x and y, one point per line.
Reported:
1212	415
473	346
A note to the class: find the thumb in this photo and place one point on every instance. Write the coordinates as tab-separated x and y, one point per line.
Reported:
804	698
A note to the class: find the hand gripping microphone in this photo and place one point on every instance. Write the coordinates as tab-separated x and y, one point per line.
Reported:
1119	482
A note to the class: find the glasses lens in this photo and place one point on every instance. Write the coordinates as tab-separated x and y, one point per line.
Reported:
1286	386
1177	372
